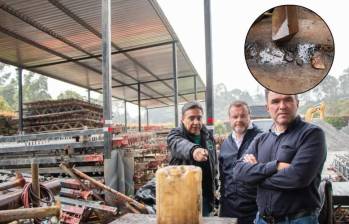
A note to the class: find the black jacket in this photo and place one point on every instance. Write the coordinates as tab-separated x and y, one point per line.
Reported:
237	199
295	188
181	145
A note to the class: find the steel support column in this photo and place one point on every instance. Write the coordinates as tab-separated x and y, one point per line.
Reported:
20	100
209	69
139	108
107	99
175	81
106	71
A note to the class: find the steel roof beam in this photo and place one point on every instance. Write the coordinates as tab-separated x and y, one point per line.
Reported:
161	97
98	34
150	81
50	32
100	55
41	47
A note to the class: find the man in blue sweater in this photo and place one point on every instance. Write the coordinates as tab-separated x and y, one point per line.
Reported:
286	164
237	200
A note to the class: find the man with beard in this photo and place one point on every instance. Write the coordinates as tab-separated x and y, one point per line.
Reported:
192	144
286	164
237	200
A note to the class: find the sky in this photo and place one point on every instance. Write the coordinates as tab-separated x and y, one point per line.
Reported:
230	24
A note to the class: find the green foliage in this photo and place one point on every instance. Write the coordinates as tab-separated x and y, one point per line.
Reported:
224	97
34	89
69	94
344	83
337	122
4	105
219	128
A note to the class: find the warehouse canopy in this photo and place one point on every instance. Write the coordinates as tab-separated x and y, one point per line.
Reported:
62	39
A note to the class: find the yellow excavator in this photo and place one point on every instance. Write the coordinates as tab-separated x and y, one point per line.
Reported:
314	109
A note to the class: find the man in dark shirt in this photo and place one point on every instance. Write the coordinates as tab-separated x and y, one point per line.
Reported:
237	200
286	164
192	144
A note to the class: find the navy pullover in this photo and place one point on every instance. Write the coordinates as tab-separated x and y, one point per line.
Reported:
237	199
295	188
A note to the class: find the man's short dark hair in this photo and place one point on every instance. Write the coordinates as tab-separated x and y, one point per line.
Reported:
239	103
266	94
191	105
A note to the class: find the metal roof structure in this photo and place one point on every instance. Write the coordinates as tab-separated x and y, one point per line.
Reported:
62	39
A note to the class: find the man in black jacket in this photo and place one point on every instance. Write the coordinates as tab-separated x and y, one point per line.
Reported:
192	144
237	200
286	163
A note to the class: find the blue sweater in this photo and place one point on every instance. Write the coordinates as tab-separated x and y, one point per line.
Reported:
237	199
295	188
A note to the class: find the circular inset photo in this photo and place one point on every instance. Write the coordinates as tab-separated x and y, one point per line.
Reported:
289	49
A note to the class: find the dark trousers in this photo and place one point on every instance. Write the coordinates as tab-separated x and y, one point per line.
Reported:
206	206
227	209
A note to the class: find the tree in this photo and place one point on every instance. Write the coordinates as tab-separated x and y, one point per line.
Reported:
4	105
344	83
69	94
3	76
34	89
328	88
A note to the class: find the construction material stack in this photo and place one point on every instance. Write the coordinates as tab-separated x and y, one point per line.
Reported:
8	124
61	115
149	152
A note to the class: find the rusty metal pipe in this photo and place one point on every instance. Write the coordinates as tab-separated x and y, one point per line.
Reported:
73	175
35	183
129	201
29	213
19	182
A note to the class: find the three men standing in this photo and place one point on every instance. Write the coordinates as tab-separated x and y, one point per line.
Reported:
284	164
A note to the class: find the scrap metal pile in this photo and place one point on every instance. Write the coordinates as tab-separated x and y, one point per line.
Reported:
66	114
341	165
16	192
80	199
150	153
83	199
84	149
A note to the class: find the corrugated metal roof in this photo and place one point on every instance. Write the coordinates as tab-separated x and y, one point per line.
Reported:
62	39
